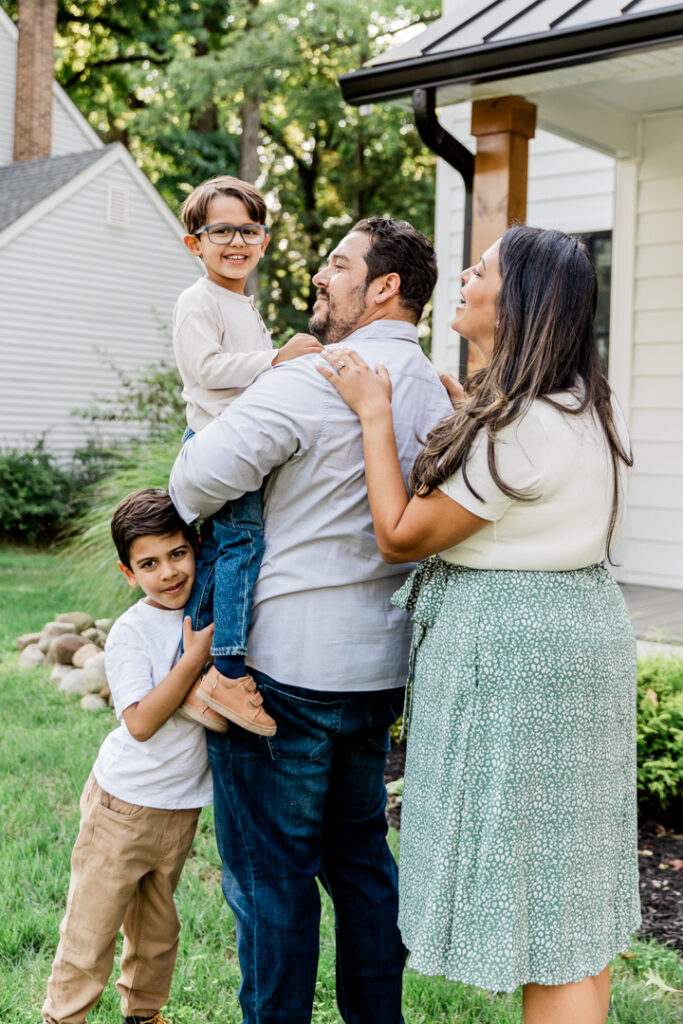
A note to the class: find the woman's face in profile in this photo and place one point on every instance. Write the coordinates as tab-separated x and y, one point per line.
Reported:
475	314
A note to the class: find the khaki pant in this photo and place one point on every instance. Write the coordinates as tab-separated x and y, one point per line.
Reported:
124	869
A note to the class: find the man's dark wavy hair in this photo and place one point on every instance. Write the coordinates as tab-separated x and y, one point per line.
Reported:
396	247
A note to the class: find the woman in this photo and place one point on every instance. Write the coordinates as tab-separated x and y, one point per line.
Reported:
518	846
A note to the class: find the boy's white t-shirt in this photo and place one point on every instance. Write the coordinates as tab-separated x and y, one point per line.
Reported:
563	462
170	770
221	345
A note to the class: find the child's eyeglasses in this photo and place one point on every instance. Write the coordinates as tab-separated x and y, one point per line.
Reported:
223	234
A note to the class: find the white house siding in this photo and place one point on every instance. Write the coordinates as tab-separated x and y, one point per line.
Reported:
78	295
652	551
70	131
571	188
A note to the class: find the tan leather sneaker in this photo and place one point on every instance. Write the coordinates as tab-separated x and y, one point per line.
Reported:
194	708
236	699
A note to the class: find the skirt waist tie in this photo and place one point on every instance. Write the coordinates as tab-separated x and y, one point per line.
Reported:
421	596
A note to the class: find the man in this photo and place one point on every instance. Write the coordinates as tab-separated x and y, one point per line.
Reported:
327	650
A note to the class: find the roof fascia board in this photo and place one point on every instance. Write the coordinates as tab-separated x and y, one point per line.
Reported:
60	195
8	25
80	120
488	62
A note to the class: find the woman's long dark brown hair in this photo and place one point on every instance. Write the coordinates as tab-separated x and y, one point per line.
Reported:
544	343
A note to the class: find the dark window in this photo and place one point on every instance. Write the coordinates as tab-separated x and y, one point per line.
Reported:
599	245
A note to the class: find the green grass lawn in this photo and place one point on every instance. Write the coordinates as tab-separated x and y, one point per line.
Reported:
47	746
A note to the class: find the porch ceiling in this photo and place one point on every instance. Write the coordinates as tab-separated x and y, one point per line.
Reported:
592	77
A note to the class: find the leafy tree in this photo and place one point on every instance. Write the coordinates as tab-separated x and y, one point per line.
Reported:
196	88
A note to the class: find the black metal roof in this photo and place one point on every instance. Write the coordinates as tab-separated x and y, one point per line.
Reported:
23	185
487	40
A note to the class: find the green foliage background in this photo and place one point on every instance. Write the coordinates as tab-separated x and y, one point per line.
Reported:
660	736
169	79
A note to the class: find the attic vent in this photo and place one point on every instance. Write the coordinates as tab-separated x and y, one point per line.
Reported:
117	207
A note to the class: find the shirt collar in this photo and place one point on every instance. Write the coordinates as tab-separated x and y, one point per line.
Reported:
383	330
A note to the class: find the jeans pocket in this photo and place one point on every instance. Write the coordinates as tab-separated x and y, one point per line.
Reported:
389	709
306	728
380	740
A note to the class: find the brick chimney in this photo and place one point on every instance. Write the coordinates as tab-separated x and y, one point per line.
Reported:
35	74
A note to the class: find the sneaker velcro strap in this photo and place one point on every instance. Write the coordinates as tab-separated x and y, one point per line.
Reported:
256	700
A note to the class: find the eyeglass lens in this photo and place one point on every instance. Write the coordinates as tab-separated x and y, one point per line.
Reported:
223	234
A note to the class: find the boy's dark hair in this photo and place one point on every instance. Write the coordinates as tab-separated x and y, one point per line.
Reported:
195	206
143	513
396	247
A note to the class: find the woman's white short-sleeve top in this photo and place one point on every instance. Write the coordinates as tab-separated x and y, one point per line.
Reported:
563	462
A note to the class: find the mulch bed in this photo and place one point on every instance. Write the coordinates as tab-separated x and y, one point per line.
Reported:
660	856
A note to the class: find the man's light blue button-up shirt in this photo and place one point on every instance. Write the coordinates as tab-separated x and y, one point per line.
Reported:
321	617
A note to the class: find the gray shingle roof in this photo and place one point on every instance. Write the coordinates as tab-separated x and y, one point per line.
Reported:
22	185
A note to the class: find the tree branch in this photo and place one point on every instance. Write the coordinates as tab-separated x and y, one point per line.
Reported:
110	62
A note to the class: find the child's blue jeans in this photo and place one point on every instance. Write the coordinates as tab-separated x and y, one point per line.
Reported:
228	562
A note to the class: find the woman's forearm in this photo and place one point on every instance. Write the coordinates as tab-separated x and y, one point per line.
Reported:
383	477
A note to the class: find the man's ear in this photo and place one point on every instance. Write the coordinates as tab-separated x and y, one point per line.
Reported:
128	573
389	286
192	243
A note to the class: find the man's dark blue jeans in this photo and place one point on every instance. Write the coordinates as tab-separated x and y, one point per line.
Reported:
309	803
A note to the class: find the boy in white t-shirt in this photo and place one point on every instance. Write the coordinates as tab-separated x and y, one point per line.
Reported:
151	777
221	346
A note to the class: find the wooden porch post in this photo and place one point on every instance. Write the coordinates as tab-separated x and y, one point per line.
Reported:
502	127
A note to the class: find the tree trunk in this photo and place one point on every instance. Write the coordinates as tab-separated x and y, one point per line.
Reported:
250	116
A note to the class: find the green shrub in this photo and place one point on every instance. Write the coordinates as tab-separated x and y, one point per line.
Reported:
660	735
38	496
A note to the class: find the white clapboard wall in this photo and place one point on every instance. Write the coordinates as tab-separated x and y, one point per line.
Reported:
90	282
651	340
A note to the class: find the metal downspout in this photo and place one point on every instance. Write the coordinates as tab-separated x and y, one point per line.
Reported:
441	142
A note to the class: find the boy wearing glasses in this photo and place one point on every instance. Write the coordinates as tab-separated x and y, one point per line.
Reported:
221	346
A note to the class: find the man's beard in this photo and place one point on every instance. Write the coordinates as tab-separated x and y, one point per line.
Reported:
331	325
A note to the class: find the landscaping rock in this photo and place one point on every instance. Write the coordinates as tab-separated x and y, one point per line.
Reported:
73	682
105	693
91	702
104	624
94	673
63	648
31	656
44	642
59	672
81	620
58	628
94	635
26	639
83	655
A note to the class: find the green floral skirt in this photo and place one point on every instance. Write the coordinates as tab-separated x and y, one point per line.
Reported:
518	839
